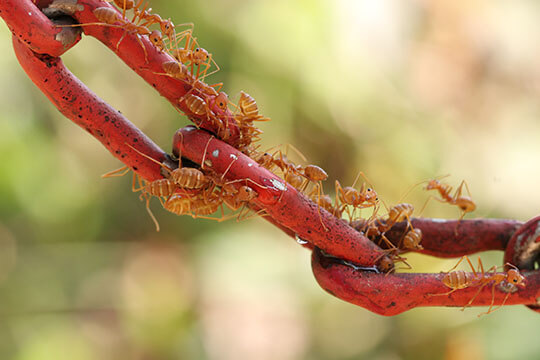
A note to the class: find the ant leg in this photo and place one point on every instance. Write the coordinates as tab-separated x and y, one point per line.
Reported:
361	173
178	37
133	183
208	66
124	7
388	243
460	188
480	266
427	201
404	261
459	262
121	38
319	186
117	173
148	197
149	158
490	310
137	13
298	152
261	213
228	168
446	293
205	151
143	47
218	87
474	297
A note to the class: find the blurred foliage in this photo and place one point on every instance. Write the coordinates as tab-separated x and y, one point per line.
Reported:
403	91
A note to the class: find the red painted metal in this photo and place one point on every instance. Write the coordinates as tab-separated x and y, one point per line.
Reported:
523	250
392	294
453	238
34	29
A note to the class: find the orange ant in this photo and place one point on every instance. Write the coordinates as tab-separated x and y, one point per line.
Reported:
200	205
236	198
375	228
194	55
208	202
248	109
145	19
398	213
460	279
110	17
358	199
182	177
465	203
166	26
200	107
315	174
249	112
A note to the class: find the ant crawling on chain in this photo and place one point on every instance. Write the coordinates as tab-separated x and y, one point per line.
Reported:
459	279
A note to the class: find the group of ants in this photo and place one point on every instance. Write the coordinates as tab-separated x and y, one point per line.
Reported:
200	193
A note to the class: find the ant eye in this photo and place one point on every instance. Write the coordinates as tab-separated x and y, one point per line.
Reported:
369	189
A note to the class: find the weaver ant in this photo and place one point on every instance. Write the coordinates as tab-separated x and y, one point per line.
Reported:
460	279
358	199
110	17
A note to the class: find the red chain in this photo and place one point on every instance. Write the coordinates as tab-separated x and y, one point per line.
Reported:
345	266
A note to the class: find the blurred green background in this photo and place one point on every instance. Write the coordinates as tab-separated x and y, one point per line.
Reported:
403	91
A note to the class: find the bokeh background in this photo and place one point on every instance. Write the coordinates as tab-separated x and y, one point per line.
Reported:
403	91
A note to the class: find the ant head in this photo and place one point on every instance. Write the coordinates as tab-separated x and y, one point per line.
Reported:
433	184
222	100
201	54
155	37
371	195
514	277
386	265
245	193
167	26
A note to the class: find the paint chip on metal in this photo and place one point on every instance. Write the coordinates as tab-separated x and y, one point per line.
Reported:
278	184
